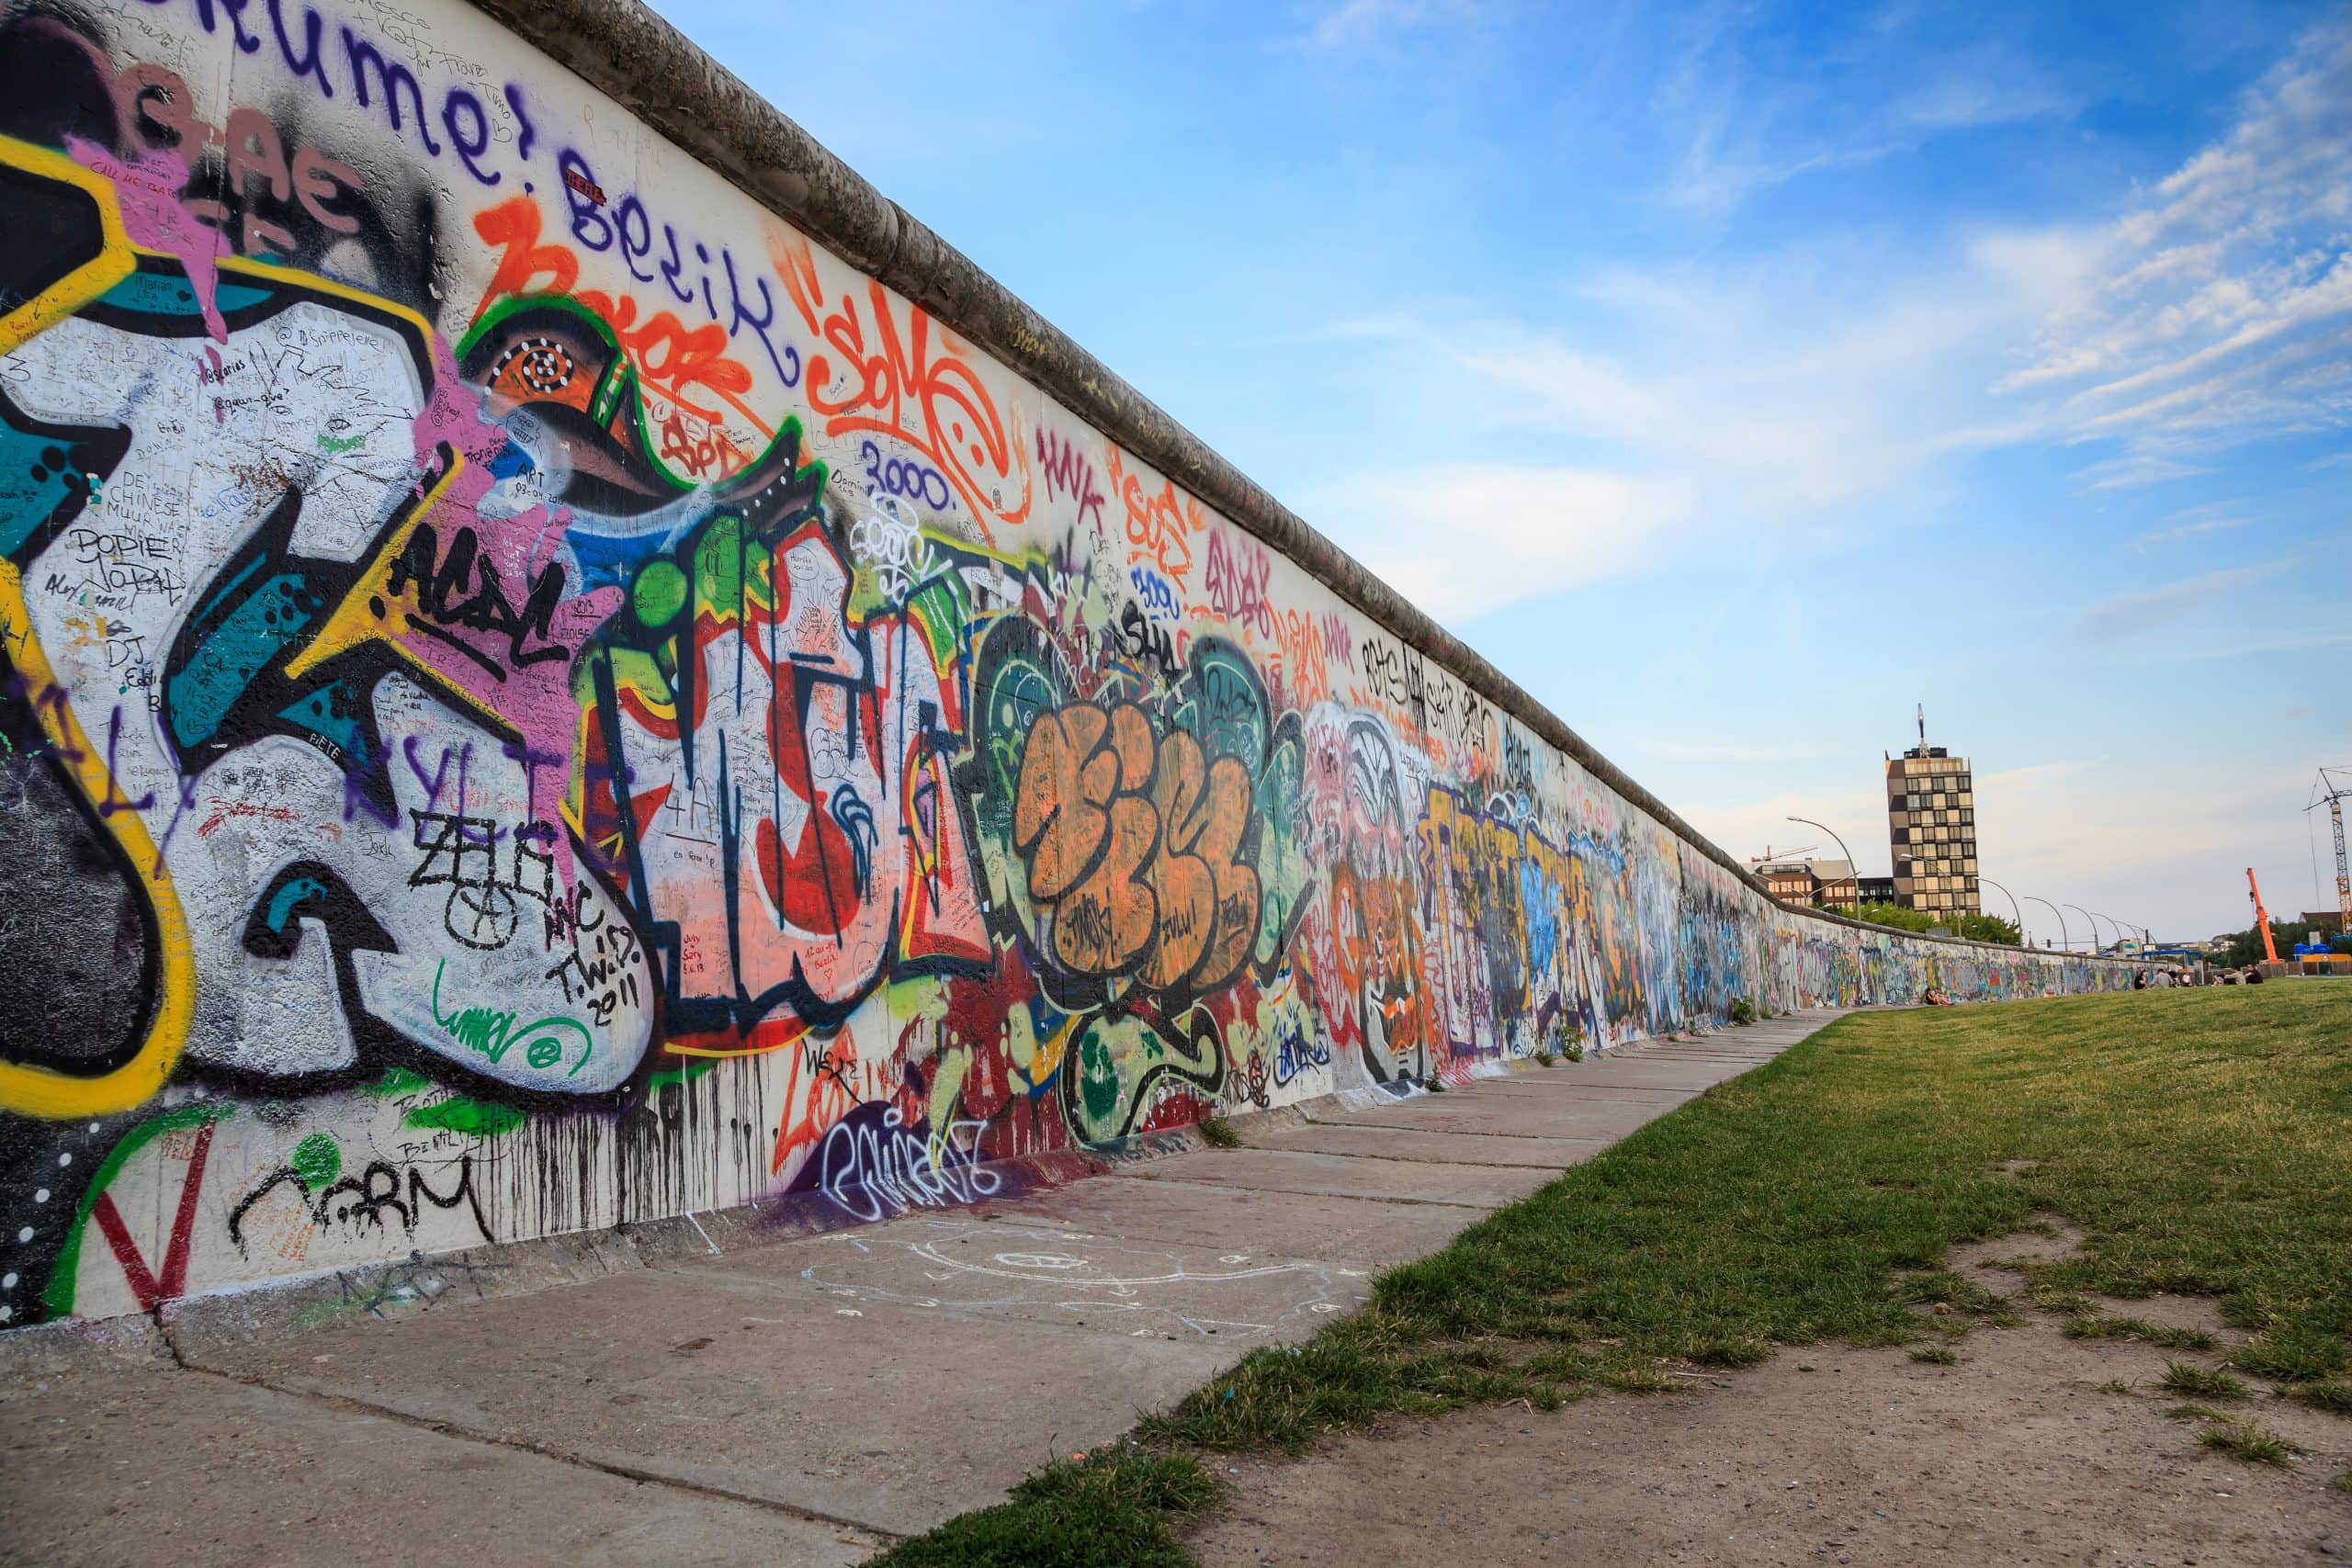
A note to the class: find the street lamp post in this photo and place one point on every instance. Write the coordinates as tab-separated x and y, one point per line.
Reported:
2092	922
2094	925
2120	927
2062	934
2013	904
1851	864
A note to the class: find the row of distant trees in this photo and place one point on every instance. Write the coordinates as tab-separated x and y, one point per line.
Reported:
1976	927
2245	946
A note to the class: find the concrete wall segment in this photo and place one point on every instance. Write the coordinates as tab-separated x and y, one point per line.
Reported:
642	61
565	664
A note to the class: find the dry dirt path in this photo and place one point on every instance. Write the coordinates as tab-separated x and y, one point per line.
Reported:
2023	1452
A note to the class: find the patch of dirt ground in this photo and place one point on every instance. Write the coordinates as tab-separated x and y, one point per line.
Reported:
2016	1454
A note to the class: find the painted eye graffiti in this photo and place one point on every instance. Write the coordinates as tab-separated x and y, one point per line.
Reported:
541	367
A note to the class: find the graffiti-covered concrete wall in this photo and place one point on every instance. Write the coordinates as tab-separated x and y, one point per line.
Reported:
539	696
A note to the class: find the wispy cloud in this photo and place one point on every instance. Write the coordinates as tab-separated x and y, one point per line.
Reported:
2136	469
1719	750
1755	122
2036	774
2083	837
1358	24
2220	307
1807	395
2075	830
1438	532
2128	614
2191	530
1784	413
2315	641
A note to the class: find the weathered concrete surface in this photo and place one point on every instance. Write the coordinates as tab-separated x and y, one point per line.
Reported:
386	1291
1364	1231
111	1462
1377	1142
771	1398
1666	1073
886	1416
1540	1085
1498	1111
1140	1289
1339	1176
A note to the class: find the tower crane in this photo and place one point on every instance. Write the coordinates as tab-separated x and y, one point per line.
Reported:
2330	789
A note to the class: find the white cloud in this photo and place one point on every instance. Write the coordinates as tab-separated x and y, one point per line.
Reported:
2176	651
1757	122
2128	614
1719	750
2036	773
1744	829
1800	398
2192	530
1788	405
2078	831
2136	469
2084	837
2220	308
1463	538
1357	24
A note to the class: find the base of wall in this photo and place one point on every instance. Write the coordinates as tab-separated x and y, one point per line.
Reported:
423	1281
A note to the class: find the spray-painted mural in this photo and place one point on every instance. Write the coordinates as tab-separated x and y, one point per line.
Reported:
536	698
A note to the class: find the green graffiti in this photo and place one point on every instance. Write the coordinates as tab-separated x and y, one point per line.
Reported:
460	1114
661	591
398	1081
668	1077
1124	1064
1098	1077
57	1296
1285	873
1225	705
491	1033
317	1160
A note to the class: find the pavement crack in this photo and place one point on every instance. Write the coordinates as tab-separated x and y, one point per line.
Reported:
1311	1193
347	1404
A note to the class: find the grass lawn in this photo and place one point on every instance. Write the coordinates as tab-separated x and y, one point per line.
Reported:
2202	1140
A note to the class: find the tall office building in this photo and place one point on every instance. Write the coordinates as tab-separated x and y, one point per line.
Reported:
1931	820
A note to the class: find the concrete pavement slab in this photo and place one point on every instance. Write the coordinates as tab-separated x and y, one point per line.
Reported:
875	1415
1659	1072
118	1466
959	1263
1359	1232
1271	1170
1555	1077
1402	1140
1538	1116
1557	1083
1736	1058
885	1377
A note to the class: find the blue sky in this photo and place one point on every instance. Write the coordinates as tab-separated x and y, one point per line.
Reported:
1733	377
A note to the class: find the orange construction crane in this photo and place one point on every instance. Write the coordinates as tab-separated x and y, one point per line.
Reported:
2261	917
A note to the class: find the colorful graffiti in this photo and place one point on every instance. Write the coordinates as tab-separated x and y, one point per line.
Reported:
529	702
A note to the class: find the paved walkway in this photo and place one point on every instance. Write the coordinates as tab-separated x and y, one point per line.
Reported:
781	1402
